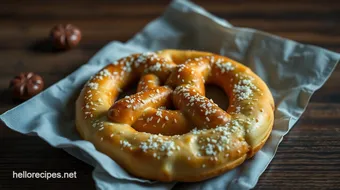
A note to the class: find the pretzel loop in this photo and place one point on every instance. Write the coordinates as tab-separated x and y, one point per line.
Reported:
168	130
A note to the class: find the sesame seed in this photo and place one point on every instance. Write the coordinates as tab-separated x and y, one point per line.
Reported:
92	85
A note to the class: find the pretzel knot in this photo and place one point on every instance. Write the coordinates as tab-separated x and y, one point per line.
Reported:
193	141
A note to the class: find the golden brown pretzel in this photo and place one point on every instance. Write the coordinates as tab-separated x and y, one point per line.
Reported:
196	141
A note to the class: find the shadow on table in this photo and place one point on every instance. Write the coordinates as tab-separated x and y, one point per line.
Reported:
43	46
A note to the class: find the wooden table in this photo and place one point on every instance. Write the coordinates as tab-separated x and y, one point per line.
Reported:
308	157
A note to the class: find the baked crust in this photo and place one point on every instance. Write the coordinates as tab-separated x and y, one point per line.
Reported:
127	130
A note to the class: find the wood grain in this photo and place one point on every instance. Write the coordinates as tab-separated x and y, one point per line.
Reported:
308	157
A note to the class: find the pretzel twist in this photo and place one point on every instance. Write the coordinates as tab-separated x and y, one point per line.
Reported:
196	141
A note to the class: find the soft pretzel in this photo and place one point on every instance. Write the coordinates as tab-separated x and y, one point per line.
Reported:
193	141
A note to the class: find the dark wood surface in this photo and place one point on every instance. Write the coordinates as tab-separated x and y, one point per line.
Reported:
308	157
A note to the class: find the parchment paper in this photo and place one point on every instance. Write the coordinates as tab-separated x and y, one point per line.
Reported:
292	71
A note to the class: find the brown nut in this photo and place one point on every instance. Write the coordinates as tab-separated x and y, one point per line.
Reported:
65	36
26	85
